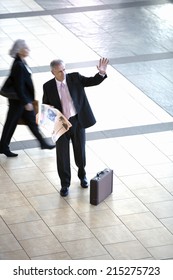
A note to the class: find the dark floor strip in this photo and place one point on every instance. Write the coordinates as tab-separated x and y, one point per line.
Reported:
84	9
141	58
105	134
46	68
130	131
113	61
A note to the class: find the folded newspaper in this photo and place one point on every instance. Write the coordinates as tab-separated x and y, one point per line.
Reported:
52	122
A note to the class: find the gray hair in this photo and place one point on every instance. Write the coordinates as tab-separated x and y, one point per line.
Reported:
17	46
56	62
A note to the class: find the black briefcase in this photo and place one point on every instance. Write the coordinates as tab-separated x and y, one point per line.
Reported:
101	186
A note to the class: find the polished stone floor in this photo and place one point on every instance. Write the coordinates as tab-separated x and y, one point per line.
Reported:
133	134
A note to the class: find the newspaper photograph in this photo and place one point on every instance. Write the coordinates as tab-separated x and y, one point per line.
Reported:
52	122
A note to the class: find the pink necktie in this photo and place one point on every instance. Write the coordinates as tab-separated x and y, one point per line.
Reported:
65	101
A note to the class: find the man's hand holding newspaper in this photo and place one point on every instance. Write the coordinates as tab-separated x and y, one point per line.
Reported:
52	122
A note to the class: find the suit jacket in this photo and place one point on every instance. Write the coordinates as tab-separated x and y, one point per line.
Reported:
76	84
22	81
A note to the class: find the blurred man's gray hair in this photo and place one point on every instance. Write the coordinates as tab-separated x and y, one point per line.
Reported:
17	46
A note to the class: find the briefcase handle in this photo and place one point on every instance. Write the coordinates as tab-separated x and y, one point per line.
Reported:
101	172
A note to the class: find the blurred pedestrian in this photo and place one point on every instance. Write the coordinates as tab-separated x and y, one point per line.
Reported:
20	76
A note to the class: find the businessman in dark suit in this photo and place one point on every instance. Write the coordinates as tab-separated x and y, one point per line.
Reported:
66	93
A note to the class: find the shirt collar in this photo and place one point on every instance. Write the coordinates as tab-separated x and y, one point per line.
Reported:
59	83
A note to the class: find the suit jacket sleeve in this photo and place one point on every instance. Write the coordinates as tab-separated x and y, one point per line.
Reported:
91	81
76	84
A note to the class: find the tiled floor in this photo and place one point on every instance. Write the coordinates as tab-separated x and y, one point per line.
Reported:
133	134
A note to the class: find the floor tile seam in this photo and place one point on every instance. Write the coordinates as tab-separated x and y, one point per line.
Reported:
48	254
18	206
18	242
81	221
146	205
82	9
40	219
156	246
156	228
11	252
6	171
129	241
79	238
144	166
93	235
22	222
132	231
109	253
99	255
51	234
160	150
150	247
34	237
7	225
147	212
163	201
37	237
112	226
165	225
150	211
151	188
39	168
121	242
66	223
77	213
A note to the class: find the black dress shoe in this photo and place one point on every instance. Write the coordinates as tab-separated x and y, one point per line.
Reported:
84	183
8	154
47	146
64	191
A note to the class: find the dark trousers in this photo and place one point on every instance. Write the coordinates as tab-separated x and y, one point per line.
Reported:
76	134
15	112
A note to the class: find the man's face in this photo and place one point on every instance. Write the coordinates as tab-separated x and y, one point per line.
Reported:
59	72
